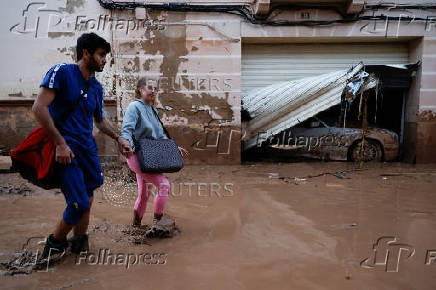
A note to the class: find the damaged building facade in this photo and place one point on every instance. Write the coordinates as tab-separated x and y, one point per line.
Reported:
209	56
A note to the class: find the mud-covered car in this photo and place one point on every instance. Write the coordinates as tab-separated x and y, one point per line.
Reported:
315	139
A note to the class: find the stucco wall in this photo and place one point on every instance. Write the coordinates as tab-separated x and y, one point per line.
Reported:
426	121
197	58
17	121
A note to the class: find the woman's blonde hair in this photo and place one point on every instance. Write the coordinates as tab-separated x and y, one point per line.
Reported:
142	82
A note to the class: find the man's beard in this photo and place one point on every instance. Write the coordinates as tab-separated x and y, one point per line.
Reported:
93	65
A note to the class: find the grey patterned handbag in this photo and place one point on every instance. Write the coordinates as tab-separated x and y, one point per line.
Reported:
158	155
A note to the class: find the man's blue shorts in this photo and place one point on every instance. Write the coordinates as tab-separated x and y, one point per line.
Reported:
78	181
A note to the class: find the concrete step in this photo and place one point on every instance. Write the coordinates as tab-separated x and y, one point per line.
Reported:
5	162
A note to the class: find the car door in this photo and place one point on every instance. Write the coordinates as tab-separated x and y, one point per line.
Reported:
338	142
310	137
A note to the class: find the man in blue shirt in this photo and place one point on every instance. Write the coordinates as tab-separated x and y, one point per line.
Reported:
76	151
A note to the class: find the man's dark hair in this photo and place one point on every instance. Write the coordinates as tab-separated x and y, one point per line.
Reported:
90	42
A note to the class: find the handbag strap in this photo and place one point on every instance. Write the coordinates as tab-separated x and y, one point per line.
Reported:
165	129
59	123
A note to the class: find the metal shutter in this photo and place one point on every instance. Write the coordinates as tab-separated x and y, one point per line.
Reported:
265	64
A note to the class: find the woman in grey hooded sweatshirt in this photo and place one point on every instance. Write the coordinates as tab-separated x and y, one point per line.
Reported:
140	122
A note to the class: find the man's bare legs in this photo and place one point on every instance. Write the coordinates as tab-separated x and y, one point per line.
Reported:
82	226
63	228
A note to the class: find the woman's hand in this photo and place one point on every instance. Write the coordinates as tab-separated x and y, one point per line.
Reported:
124	147
183	152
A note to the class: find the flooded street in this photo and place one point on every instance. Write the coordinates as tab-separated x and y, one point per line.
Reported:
254	226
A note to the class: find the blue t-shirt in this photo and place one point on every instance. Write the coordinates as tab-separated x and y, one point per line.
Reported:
69	83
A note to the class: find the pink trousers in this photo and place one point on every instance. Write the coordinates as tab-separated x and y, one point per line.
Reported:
145	186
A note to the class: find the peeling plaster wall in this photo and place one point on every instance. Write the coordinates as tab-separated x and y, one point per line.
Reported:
36	35
426	121
412	103
197	60
17	121
107	147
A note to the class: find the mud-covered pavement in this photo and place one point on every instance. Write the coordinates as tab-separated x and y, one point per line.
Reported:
254	226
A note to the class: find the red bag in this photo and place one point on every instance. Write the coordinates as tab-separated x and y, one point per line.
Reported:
34	158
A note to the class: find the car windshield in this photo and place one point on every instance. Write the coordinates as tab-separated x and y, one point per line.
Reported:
315	122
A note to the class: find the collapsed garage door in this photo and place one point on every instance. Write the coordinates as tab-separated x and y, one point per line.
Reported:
283	64
265	64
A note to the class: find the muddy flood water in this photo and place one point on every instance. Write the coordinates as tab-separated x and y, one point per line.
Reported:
305	225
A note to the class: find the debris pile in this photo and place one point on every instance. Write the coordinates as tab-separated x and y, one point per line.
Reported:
20	189
342	174
165	228
120	172
119	188
28	259
283	105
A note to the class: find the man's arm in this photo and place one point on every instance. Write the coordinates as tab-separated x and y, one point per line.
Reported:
45	97
105	126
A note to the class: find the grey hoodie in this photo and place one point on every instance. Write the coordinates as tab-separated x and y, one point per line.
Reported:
140	121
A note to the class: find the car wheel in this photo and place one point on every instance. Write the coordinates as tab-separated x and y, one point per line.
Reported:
367	150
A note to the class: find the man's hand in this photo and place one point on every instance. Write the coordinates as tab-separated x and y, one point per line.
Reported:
183	152
64	155
124	147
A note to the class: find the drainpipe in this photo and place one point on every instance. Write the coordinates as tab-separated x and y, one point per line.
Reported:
261	7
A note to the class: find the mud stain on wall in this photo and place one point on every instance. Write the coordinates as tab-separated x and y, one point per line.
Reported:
426	137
